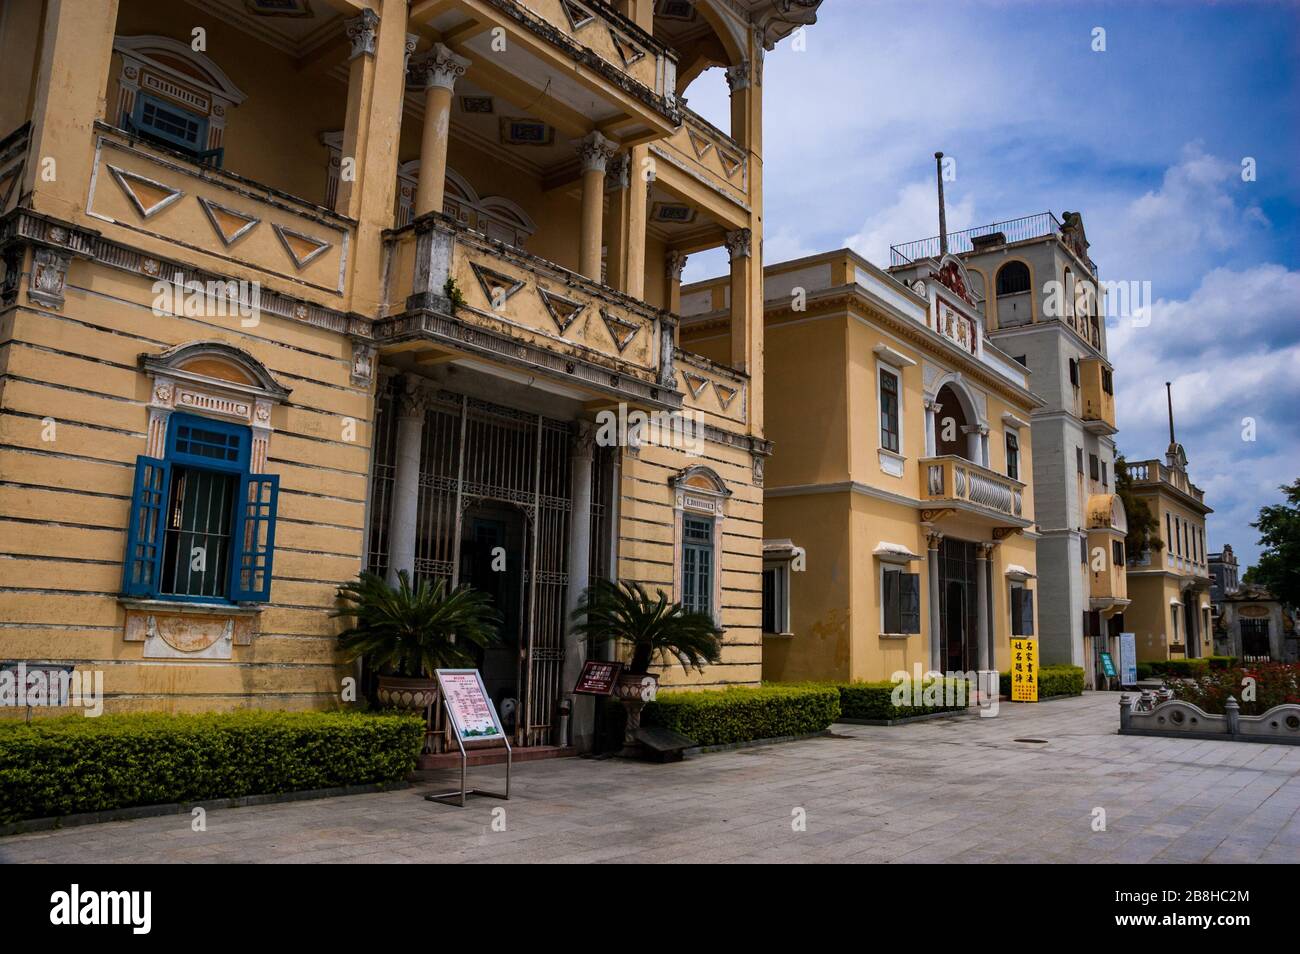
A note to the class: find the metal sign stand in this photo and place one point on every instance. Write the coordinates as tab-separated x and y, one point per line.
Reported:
457	796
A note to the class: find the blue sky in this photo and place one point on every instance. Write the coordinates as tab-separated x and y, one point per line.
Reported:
1146	139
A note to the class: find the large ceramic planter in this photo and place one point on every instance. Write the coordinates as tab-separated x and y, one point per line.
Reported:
634	690
402	692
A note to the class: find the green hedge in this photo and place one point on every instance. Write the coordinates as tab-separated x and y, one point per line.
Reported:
875	701
1052	681
74	764
738	714
1222	662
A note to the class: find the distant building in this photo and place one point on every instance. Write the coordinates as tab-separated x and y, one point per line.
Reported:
1248	621
904	472
1223	576
1041	304
1170	589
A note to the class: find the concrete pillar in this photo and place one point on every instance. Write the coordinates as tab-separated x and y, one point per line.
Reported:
982	552
372	123
438	71
405	506
932	541
582	714
76	48
675	262
742	318
594	151
638	217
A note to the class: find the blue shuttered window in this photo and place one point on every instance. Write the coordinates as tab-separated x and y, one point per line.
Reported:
255	539
202	527
144	539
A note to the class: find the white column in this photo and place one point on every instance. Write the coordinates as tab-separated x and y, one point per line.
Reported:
982	552
404	513
581	716
932	541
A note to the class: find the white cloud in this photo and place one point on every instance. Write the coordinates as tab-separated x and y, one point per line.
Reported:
913	215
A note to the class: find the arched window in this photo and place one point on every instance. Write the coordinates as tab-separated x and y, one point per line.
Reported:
1013	278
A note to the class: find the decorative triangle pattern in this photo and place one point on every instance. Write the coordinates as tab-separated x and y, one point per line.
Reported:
725	394
497	288
621	330
230	225
303	249
563	311
730	163
627	51
148	196
577	16
698	143
695	382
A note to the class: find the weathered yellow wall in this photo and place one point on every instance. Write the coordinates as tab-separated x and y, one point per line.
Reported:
64	512
820	601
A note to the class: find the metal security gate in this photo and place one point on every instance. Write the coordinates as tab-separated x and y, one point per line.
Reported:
474	455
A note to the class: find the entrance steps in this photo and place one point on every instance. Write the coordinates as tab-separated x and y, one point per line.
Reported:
493	756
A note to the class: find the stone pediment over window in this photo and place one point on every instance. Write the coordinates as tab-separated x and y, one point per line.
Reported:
171	72
212	379
700	488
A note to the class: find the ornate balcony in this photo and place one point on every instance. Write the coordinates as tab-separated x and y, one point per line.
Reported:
713	389
708	156
470	295
956	483
159	202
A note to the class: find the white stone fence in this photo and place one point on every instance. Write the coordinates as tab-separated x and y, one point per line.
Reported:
1159	714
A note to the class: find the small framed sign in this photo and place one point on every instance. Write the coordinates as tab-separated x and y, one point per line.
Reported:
598	678
473	720
1107	665
472	715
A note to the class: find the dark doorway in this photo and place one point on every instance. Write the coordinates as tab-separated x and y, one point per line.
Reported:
1255	639
1191	638
492	559
950	424
959	611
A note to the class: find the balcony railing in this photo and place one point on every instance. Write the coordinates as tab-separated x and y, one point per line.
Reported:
471	293
1026	227
951	478
1152	471
605	40
712	388
13	156
164	202
710	155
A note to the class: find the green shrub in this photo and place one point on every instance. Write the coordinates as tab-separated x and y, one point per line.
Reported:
1180	668
75	764
1144	671
875	700
1052	681
738	714
1222	662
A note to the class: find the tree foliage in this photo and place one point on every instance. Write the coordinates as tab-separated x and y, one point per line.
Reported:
1278	568
1143	525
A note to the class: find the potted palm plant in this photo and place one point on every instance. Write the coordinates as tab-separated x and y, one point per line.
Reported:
407	631
656	630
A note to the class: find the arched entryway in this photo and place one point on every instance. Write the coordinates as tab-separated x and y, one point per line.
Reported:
955	425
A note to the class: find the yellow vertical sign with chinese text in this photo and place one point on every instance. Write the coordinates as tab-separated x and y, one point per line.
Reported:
1024	670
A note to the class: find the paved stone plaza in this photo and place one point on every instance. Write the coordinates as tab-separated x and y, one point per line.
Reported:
949	790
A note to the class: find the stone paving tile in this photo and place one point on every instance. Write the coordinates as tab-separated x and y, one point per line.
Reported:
958	790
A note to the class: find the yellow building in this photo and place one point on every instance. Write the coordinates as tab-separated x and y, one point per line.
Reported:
901	477
292	289
1169	589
